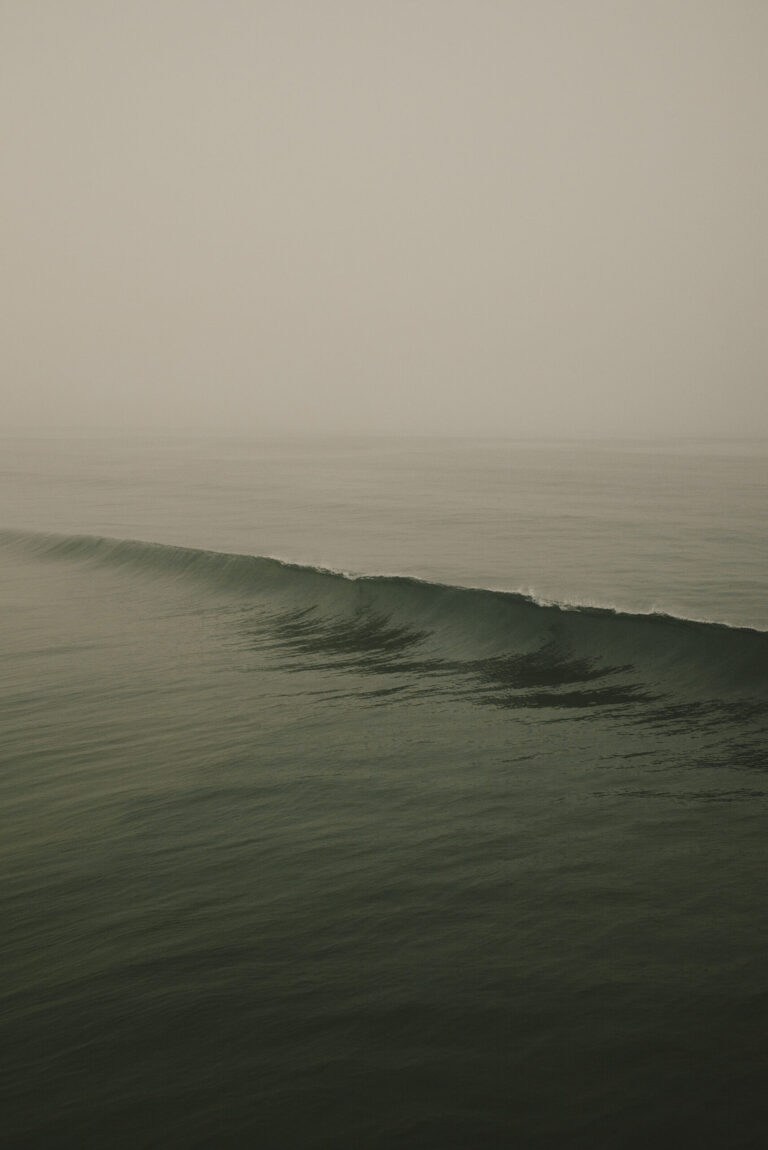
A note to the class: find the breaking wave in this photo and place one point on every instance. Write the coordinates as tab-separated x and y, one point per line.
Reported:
399	622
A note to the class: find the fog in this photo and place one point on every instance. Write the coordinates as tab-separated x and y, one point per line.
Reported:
493	217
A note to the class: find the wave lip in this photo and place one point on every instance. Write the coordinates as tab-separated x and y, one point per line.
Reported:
450	622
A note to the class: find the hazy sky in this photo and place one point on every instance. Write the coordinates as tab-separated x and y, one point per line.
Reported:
515	217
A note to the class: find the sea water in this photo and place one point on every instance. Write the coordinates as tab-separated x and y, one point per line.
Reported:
376	793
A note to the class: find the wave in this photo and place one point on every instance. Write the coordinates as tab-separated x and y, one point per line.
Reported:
400	622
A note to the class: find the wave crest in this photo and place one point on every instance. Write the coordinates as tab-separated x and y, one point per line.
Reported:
521	639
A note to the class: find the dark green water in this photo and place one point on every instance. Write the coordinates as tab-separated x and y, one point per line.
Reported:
292	860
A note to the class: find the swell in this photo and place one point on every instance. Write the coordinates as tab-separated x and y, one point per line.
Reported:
387	617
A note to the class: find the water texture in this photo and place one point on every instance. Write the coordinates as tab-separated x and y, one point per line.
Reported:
299	857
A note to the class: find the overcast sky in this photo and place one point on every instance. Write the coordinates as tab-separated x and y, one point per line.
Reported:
510	217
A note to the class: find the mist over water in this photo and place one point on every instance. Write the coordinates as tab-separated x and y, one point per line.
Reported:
504	218
302	858
383	572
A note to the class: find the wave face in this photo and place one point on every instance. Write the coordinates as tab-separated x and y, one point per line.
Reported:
527	651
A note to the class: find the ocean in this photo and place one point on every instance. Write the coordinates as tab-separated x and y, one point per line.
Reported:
375	793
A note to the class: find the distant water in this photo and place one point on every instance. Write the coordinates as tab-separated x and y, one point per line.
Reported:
383	794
